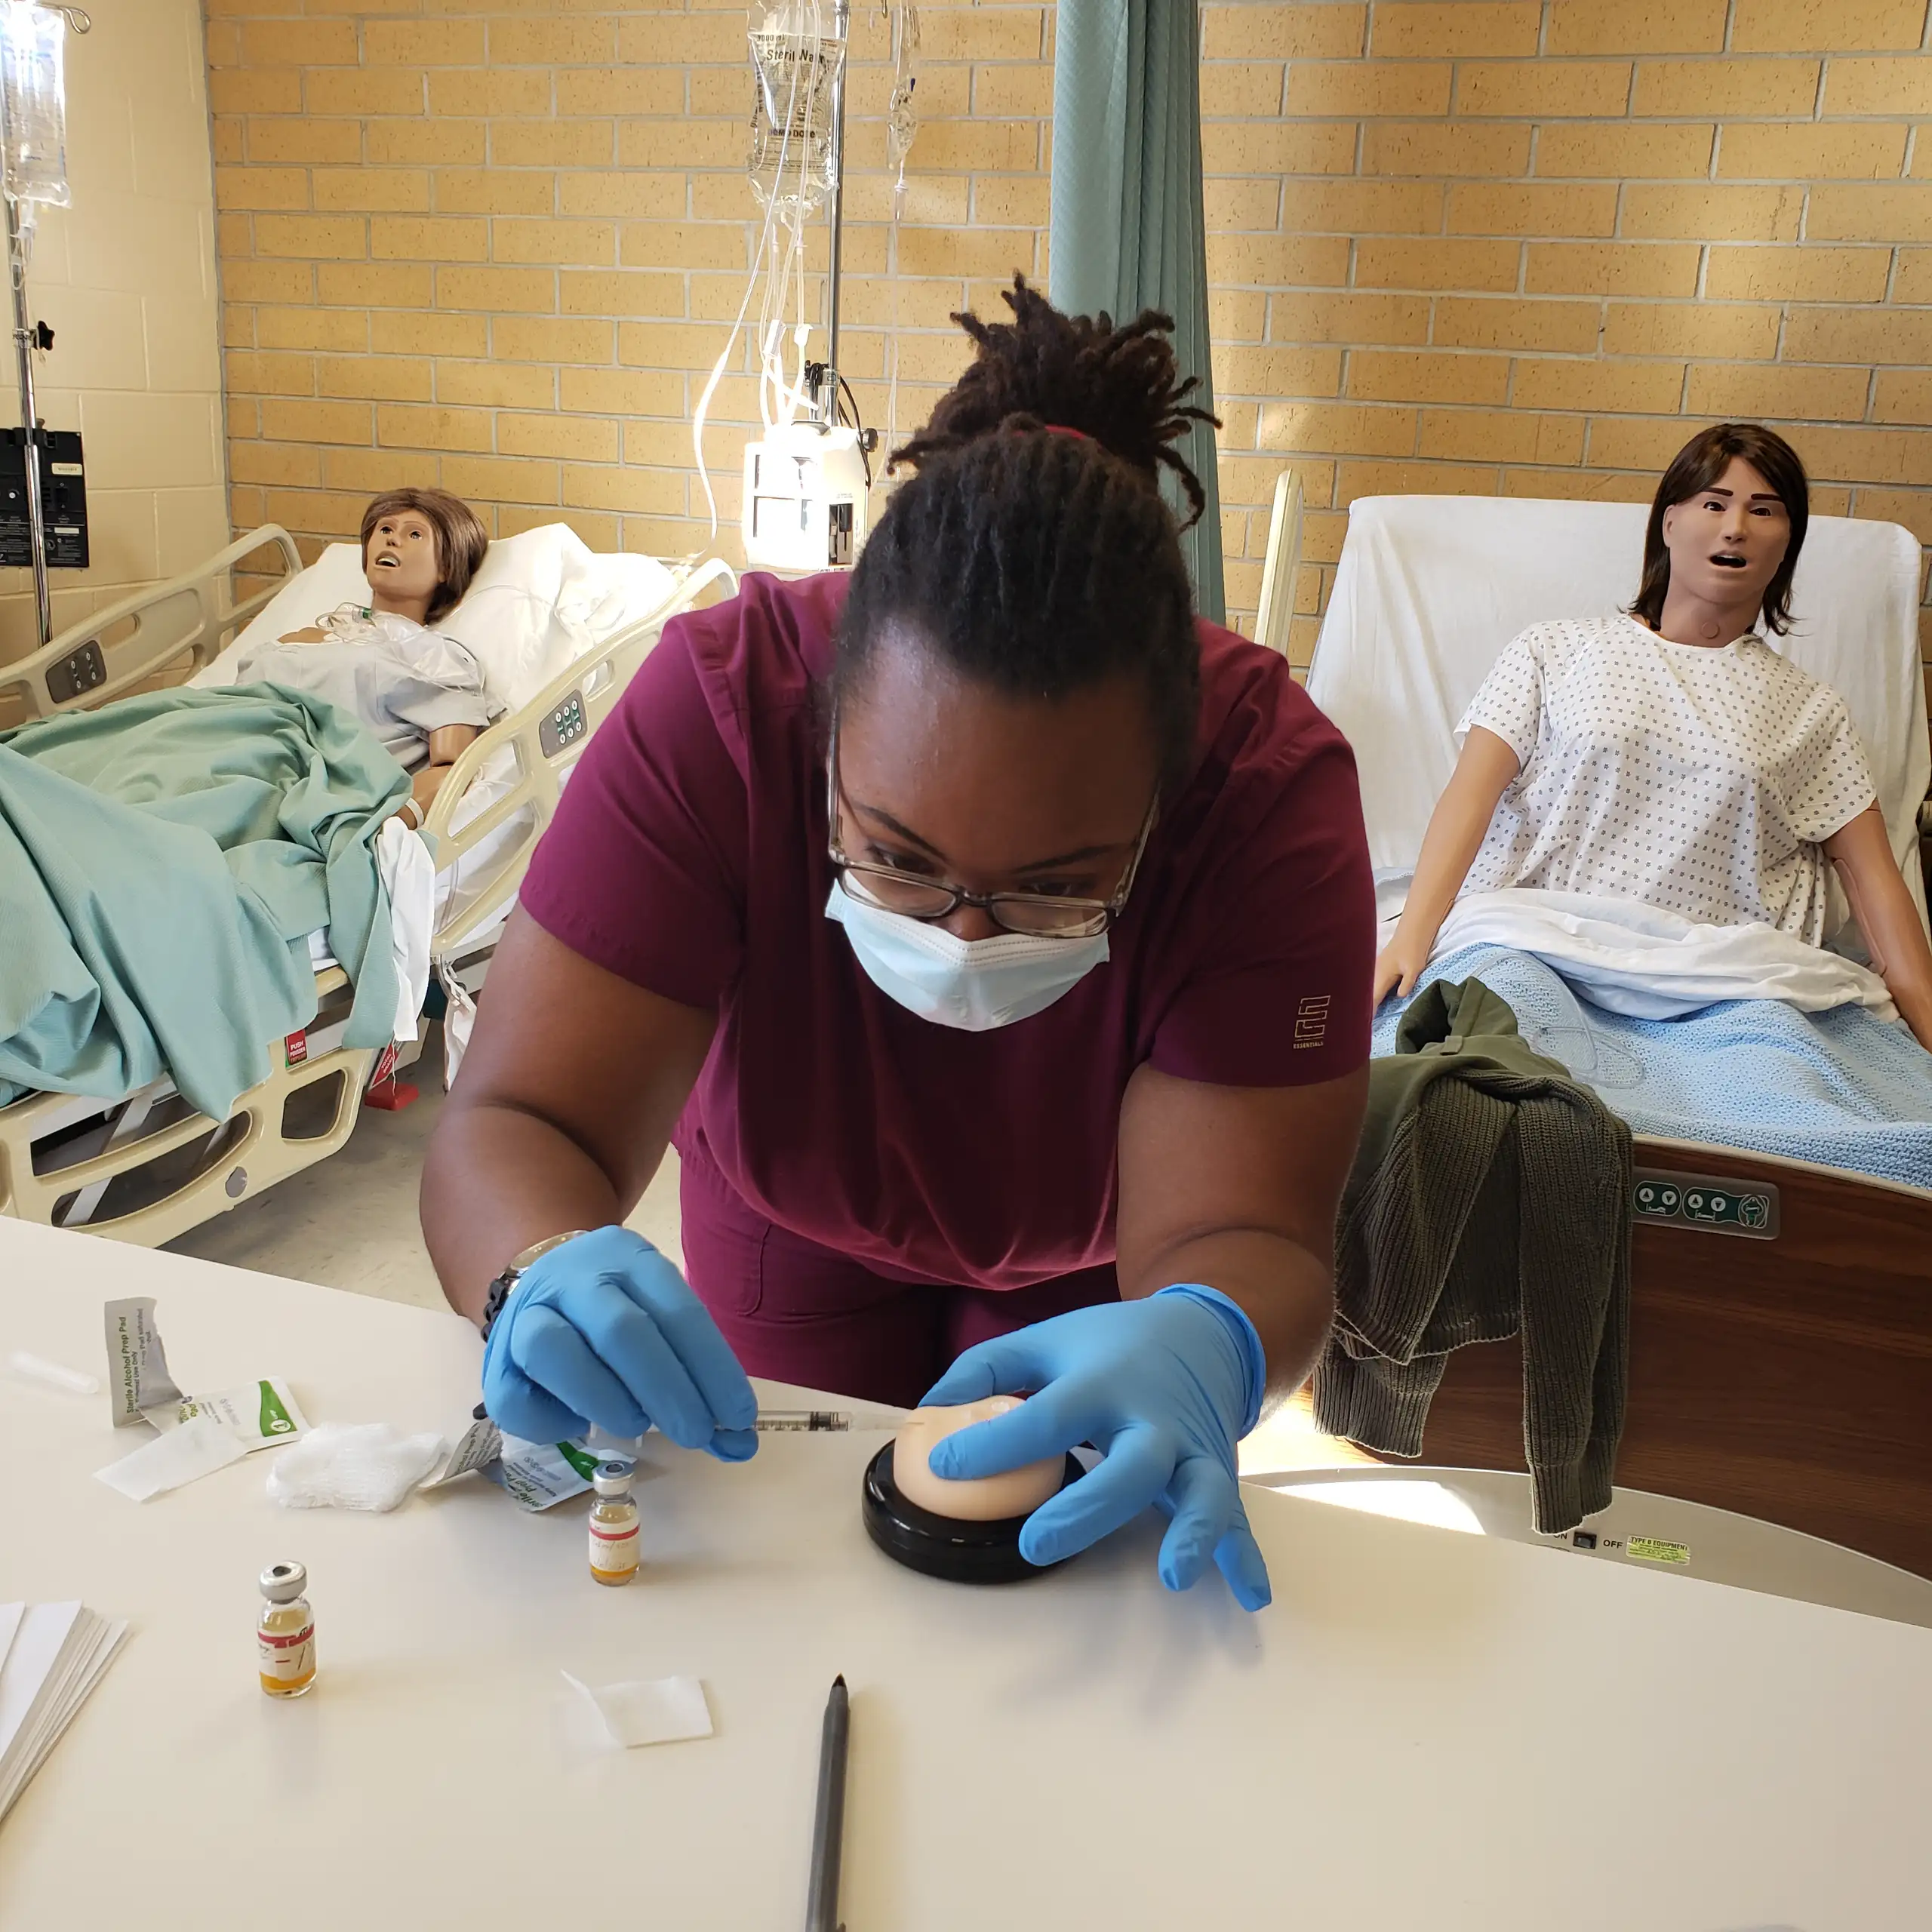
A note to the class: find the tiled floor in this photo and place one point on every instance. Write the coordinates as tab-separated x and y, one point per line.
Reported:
349	1222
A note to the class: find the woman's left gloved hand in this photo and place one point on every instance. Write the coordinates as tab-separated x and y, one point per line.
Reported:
1164	1387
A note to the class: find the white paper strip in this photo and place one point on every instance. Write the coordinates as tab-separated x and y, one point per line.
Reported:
663	1710
201	1445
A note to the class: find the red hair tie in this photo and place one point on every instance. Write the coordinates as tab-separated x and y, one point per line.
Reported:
1061	430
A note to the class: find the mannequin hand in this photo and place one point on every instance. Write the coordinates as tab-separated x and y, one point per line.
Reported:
1164	1387
1400	965
604	1330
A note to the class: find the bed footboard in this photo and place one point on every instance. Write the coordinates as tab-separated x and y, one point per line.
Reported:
1785	1376
107	654
146	1173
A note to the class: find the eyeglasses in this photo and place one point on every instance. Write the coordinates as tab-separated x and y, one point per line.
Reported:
1039	914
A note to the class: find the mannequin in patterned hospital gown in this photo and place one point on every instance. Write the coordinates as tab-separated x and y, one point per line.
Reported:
1668	753
419	690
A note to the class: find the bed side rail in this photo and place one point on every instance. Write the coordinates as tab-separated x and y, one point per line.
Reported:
1275	612
106	654
548	735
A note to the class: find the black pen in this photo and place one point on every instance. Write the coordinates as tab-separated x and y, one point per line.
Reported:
829	1824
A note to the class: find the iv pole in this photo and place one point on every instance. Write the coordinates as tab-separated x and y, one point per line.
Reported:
828	411
25	339
23	346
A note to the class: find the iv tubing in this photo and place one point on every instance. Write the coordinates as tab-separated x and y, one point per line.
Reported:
730	341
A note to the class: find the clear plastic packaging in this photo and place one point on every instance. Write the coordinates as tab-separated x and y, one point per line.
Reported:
797	54
33	103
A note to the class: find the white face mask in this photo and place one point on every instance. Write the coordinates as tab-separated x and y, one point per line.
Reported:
972	983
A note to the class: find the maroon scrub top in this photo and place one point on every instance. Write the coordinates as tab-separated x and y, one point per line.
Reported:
688	856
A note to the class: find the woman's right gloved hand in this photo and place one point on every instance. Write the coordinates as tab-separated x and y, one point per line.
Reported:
605	1330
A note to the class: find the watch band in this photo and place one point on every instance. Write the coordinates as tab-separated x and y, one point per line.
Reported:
500	1287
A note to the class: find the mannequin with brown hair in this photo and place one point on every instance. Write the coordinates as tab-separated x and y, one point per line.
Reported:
419	689
1725	530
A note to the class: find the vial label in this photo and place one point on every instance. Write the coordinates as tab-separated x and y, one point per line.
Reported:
289	1659
613	1552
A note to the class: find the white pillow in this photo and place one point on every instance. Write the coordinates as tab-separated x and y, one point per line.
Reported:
539	598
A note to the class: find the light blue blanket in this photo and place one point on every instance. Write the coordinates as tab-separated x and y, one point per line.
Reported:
1841	1088
162	862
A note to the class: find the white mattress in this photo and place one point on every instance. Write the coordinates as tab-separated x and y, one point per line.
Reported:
1430	589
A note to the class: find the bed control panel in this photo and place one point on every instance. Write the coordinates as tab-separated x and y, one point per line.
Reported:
77	674
565	726
1716	1205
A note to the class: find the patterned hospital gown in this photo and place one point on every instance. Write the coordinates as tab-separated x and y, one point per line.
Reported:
1700	780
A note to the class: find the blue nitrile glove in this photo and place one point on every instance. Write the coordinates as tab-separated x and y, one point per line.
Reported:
1164	1387
604	1330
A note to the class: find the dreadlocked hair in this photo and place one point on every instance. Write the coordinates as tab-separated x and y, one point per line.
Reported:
1031	549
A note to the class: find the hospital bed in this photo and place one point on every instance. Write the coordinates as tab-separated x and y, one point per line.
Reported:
560	632
1780	1356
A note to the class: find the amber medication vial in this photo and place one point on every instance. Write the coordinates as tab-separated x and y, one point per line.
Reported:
613	1540
285	1635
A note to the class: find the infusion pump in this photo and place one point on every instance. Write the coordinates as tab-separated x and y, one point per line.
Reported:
807	497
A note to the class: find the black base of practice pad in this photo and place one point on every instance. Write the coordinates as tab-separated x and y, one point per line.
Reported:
944	1546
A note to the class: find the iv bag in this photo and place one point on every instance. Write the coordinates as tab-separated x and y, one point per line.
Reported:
797	54
33	103
901	119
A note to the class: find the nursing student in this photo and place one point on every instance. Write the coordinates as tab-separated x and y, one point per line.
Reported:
994	940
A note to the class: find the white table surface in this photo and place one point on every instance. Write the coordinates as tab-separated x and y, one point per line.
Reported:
1426	1730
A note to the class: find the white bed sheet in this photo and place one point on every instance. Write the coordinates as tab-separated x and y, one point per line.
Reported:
1430	589
1639	960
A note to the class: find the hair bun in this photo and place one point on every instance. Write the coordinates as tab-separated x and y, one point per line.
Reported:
1074	375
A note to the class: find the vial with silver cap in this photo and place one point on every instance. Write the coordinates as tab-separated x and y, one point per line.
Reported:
285	1633
613	1524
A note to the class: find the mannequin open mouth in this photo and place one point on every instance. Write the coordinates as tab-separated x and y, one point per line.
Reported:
1729	560
389	562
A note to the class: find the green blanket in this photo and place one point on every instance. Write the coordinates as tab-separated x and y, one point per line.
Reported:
162	862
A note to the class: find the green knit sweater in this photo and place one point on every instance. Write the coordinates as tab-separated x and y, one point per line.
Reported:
1490	1195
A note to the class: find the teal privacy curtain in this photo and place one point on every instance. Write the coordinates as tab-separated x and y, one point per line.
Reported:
1129	232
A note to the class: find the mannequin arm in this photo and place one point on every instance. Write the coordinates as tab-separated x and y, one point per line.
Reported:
1887	917
448	743
1457	830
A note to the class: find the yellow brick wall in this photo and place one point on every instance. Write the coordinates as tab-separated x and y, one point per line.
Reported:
1488	245
125	278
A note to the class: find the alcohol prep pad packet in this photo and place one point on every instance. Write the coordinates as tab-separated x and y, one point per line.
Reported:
261	1413
140	1389
137	1377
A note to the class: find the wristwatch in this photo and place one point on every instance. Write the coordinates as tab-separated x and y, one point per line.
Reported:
500	1288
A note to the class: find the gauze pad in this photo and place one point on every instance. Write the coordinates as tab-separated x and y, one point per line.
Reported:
351	1465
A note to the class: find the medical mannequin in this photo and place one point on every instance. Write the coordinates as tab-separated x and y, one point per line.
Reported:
1724	537
419	691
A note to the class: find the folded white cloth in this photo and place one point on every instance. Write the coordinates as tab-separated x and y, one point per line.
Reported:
351	1465
1634	959
409	877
